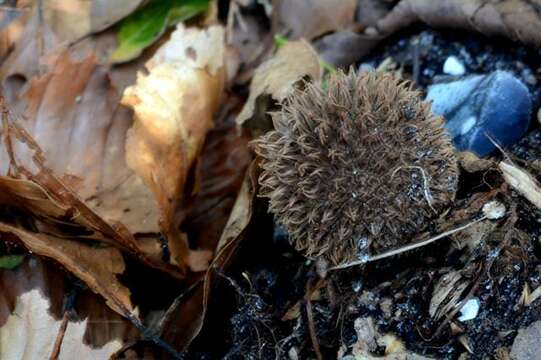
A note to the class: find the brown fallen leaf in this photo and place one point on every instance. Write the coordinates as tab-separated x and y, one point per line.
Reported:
174	107
311	18
12	20
23	63
221	170
32	316
275	78
515	19
96	266
191	309
74	115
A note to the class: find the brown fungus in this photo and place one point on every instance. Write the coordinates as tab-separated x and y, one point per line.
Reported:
356	167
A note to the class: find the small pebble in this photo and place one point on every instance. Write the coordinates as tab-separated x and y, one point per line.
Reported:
470	310
453	66
497	104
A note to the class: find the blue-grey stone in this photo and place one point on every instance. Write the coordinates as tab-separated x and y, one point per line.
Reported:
497	104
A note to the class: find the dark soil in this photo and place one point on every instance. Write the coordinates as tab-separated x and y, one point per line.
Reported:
269	277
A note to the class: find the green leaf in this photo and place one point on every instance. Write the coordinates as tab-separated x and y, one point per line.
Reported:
187	9
10	262
143	27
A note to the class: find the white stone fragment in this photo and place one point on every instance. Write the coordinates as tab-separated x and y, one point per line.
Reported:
470	310
453	66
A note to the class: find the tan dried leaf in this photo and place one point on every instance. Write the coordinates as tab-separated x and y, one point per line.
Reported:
521	181
30	333
91	328
73	114
516	19
72	20
277	76
174	107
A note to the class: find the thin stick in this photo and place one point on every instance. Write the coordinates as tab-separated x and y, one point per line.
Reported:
407	247
311	324
60	337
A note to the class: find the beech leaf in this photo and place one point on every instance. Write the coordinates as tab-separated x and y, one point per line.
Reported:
174	109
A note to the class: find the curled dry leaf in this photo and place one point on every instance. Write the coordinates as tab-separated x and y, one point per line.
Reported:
516	19
275	79
174	107
521	181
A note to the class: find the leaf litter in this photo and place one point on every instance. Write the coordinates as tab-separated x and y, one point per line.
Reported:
128	184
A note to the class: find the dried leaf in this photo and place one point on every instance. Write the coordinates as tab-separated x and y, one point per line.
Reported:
72	20
96	266
275	78
309	19
515	19
174	107
73	115
521	181
89	149
536	294
447	294
471	163
191	310
32	315
30	333
23	63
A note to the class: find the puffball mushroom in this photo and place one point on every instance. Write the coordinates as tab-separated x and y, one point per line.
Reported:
356	166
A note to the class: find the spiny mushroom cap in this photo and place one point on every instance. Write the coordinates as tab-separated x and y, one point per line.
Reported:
357	167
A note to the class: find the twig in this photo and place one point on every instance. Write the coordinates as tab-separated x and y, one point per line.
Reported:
407	247
60	337
311	324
